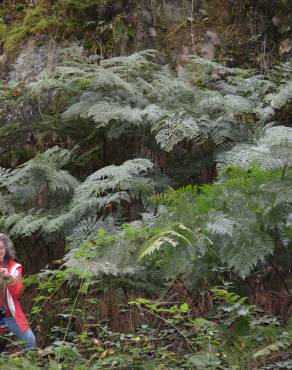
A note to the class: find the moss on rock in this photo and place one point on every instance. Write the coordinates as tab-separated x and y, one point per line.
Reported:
241	33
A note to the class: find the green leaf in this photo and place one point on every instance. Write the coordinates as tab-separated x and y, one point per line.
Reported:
184	307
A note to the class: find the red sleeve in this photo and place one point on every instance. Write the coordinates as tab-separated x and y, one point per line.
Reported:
15	287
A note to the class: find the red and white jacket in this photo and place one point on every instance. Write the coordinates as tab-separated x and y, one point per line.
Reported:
13	291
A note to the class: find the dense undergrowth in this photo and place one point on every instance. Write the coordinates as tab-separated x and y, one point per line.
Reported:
234	335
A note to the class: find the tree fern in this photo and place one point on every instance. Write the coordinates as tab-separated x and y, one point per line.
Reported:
202	108
273	150
60	202
283	75
114	178
237	222
123	89
174	128
104	112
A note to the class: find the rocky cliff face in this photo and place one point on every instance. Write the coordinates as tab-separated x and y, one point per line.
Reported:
248	33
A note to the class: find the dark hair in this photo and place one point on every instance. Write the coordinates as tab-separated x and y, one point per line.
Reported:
10	251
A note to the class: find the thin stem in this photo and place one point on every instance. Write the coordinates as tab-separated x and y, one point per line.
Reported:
188	342
284	171
73	308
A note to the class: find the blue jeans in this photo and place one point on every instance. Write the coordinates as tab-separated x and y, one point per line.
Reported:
25	336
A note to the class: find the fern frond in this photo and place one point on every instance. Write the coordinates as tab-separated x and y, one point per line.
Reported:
5	175
249	251
134	61
104	112
112	185
219	224
282	97
28	225
174	128
81	108
172	235
273	150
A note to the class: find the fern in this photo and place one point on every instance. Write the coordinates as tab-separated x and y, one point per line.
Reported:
113	178
218	224
172	235
173	129
237	222
60	202
282	97
273	150
5	175
28	226
203	108
126	93
130	65
105	112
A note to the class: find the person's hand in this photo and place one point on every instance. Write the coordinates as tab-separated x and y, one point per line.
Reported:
4	272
